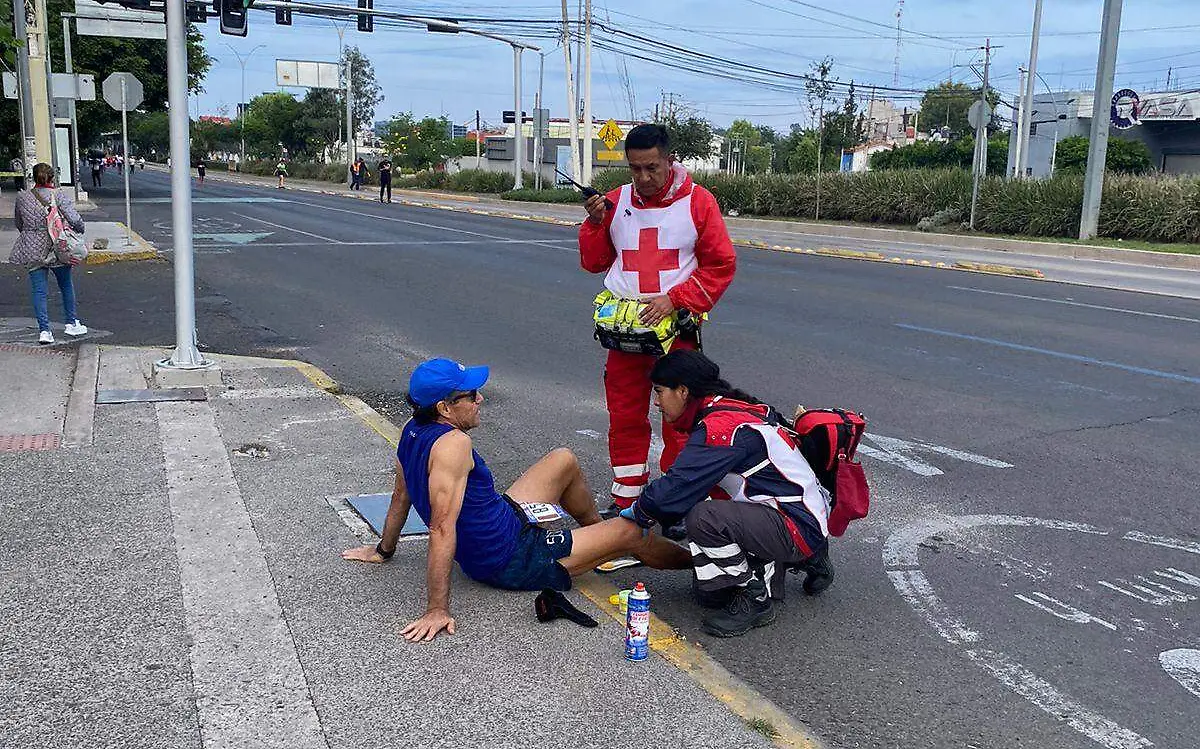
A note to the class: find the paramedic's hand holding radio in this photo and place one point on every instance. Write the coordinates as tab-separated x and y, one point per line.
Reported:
596	207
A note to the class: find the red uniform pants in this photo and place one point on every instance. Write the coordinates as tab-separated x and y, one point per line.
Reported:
627	389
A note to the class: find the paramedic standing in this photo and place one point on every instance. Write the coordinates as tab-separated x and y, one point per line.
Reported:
663	243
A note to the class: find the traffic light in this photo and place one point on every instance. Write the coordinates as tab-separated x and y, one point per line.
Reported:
366	21
233	17
283	16
197	11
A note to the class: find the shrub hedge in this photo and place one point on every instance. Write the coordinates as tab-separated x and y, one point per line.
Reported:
1152	208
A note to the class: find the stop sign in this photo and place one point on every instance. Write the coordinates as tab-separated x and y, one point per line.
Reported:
133	93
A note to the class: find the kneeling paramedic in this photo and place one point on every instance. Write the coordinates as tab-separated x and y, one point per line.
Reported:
768	512
492	536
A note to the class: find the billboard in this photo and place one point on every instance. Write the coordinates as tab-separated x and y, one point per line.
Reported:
307	74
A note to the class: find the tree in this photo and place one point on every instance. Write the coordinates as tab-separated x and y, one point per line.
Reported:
367	94
149	131
929	154
10	123
691	137
818	86
946	105
1124	156
275	120
419	145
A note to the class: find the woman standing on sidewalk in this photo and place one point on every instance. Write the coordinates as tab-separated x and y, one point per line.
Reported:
34	250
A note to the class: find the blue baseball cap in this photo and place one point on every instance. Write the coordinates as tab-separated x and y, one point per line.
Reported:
435	379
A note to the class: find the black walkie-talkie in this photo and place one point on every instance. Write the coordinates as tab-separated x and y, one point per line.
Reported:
587	191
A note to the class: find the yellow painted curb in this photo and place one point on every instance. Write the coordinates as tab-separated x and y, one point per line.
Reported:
741	699
104	257
1001	270
365	413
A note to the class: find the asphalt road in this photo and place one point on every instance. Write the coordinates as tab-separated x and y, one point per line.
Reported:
1030	571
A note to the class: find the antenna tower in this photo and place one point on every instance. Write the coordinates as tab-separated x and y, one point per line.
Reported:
896	69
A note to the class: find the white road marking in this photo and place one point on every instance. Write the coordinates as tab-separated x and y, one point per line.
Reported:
899	452
902	549
1077	304
589	433
1044	695
1183	665
288	228
362	214
1179	576
280	392
1066	611
1168	543
1155	594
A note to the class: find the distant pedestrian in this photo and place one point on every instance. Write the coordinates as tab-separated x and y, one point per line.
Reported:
97	170
385	180
281	173
358	173
34	250
201	167
142	163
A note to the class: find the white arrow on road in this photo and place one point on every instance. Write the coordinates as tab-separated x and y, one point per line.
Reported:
232	237
899	452
1183	665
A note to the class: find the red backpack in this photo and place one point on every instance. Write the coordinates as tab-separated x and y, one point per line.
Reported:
829	438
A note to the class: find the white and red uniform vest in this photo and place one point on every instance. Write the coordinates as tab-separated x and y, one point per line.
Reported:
655	247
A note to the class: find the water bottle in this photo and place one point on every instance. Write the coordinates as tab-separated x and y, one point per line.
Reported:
637	624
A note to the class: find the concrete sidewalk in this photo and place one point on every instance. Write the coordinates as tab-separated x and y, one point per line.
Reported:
173	579
106	240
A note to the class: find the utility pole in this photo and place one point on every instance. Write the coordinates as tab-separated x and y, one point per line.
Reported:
572	110
29	18
1031	78
478	135
69	69
981	133
537	122
1169	71
519	125
186	356
1016	171
1093	181
349	123
588	129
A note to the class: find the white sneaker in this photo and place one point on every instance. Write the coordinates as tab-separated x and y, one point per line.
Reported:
45	337
75	328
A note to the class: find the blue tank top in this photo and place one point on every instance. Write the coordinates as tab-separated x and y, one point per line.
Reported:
487	526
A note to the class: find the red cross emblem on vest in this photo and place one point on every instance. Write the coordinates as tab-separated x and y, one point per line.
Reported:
648	260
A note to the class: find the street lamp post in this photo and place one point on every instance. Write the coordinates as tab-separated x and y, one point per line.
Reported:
242	113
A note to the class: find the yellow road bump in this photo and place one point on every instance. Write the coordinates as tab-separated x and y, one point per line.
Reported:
759	713
1002	270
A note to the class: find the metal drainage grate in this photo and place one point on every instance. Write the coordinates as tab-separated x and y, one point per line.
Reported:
109	397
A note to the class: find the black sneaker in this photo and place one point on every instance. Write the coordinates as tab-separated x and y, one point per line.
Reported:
750	607
819	573
711	599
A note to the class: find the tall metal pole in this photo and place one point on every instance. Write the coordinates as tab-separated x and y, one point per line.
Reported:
572	111
478	135
537	134
1031	78
125	164
588	128
31	149
69	66
349	125
1016	172
1093	180
519	132
981	134
186	355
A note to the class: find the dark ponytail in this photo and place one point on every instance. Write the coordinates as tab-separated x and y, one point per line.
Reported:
700	374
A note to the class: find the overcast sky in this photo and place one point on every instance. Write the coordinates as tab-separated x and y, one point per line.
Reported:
436	74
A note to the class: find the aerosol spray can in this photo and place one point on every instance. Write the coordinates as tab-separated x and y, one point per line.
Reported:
637	624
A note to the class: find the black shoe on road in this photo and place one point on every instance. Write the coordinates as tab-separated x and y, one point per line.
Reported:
710	599
745	611
819	573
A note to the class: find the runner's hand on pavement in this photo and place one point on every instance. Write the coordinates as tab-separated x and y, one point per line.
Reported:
657	309
427	627
596	208
366	554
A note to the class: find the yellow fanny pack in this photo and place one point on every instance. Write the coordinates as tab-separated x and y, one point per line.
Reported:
619	326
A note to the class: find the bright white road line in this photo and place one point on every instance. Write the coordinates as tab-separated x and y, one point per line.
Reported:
1076	304
361	214
1183	664
288	228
